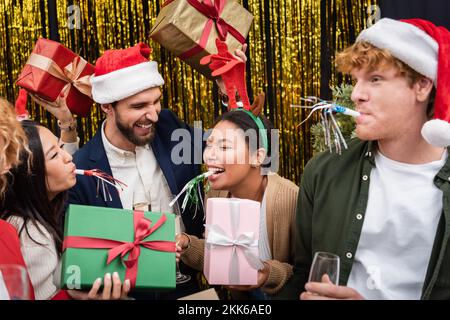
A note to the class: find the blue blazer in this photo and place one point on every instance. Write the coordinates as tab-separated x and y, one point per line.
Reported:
93	156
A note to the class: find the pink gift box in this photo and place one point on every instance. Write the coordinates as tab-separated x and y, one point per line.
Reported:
231	245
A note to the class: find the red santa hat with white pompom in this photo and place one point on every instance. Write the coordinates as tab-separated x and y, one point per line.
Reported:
426	49
120	74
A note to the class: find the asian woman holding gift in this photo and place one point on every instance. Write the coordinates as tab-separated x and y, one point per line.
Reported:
34	204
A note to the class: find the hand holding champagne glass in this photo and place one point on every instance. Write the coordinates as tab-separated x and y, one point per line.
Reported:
179	228
324	263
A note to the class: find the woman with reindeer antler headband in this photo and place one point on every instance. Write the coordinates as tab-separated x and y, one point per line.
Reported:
240	168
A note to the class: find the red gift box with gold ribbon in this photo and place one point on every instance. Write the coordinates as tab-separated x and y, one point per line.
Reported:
54	75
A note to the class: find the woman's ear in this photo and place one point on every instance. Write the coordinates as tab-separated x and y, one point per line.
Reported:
258	160
423	88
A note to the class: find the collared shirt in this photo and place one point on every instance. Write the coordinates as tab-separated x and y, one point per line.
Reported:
330	215
142	174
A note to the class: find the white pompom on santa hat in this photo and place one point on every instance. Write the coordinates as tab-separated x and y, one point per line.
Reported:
426	49
120	74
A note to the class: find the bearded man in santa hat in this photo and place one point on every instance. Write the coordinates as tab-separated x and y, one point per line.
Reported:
134	144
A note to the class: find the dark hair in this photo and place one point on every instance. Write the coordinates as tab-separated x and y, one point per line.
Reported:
245	122
27	196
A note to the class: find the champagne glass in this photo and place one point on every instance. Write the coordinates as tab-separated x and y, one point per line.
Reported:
141	201
13	282
179	228
324	263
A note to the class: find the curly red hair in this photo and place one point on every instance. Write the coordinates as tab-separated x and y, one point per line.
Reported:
12	141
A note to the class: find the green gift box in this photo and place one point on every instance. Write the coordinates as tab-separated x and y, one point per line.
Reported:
94	235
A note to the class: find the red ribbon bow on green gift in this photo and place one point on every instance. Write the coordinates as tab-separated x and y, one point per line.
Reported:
213	12
117	248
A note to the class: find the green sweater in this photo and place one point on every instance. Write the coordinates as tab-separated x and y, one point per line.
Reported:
330	214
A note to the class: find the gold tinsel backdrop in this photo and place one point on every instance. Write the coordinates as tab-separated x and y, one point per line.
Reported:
291	46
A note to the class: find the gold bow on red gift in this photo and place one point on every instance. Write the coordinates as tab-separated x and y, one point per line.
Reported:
70	74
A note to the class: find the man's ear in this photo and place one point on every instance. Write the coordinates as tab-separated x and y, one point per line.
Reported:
107	108
423	88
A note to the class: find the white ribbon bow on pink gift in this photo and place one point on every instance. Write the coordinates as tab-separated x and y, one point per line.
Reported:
245	241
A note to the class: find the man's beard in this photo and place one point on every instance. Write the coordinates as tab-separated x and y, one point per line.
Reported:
134	139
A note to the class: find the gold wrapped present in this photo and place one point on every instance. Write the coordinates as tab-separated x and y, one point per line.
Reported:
189	28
